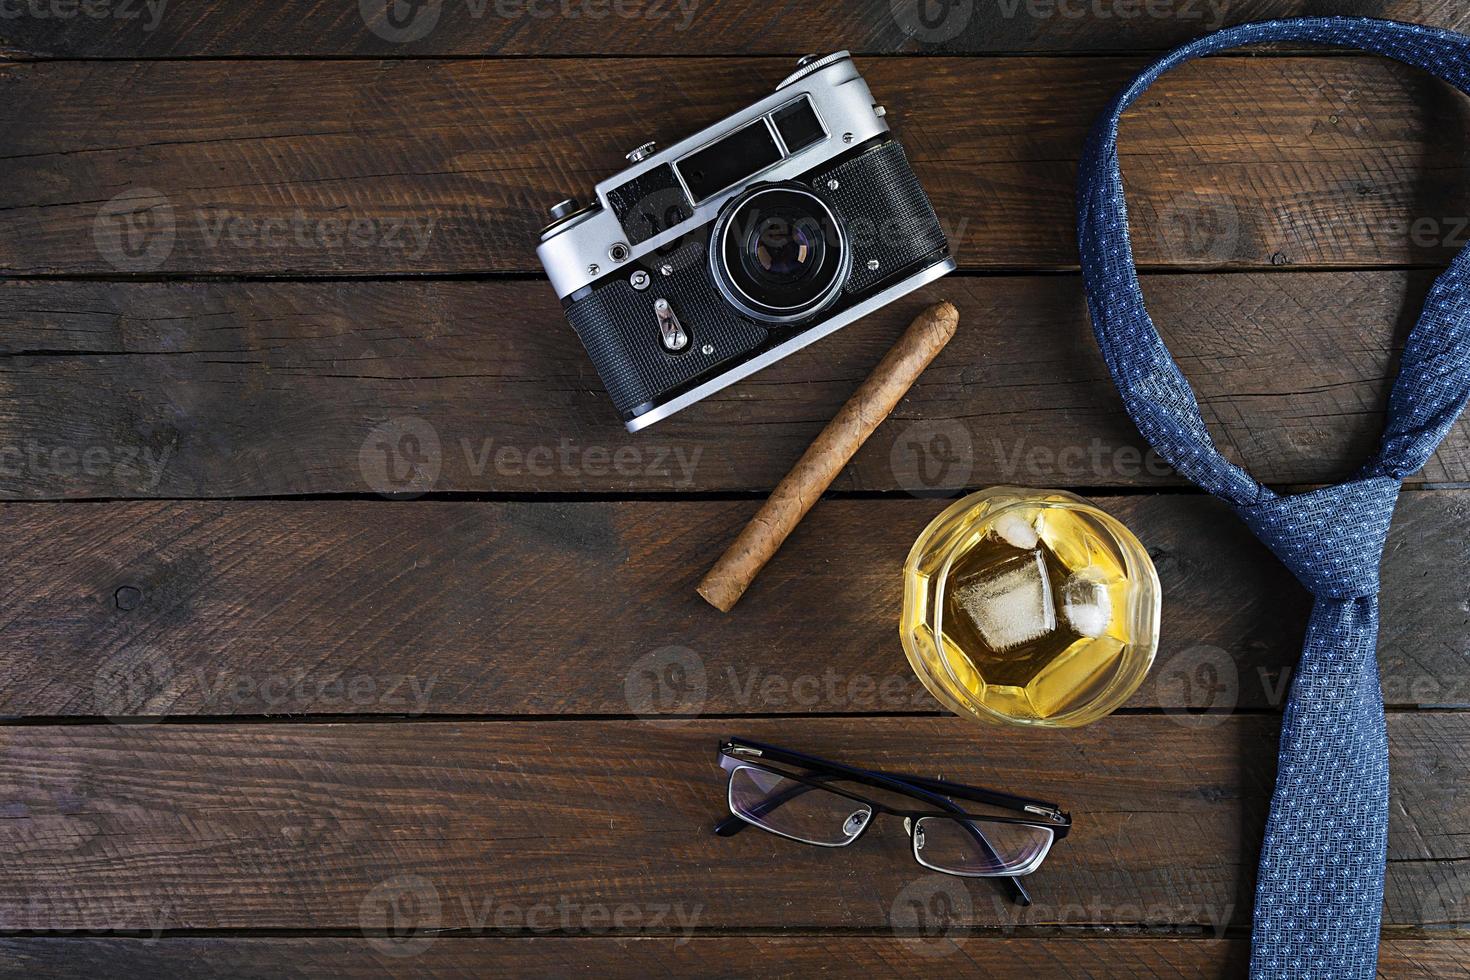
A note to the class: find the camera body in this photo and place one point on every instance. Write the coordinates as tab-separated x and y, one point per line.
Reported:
703	263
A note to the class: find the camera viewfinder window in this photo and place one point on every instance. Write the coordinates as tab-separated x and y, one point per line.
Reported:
743	153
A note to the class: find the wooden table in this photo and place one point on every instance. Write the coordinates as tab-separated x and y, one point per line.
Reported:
265	265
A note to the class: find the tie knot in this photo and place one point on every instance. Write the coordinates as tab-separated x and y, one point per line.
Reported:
1332	539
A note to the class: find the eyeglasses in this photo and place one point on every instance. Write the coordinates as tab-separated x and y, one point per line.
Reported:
815	801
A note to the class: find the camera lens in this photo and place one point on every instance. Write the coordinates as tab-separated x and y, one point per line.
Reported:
783	249
779	254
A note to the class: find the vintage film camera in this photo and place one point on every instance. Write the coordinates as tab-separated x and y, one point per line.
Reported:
707	261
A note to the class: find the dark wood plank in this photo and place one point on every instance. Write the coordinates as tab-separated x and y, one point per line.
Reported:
652	27
227	389
647	956
460	608
359	167
343	827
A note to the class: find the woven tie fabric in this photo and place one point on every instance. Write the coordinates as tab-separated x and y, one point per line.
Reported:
1319	891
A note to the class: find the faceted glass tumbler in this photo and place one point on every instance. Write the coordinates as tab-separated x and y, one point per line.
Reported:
1030	607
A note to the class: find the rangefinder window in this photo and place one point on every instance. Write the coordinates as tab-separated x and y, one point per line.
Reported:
798	125
729	161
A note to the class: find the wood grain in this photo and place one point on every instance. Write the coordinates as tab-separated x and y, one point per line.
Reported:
474	28
502	826
231	389
639	957
330	608
424	167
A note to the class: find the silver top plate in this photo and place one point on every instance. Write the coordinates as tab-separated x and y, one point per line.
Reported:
576	253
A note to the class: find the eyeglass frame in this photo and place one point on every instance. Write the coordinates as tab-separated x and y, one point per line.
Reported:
737	753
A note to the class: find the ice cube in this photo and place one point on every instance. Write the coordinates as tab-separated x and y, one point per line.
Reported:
1086	604
1010	604
1016	531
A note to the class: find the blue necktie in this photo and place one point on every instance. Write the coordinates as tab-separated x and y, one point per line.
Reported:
1319	891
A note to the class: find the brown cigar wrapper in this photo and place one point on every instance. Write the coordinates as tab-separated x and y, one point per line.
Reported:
826	457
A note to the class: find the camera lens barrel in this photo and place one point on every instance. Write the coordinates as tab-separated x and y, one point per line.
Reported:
779	254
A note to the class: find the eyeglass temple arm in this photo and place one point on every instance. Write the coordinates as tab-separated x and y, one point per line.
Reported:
972	793
959	791
732	825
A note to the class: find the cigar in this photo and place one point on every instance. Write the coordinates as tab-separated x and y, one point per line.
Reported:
825	458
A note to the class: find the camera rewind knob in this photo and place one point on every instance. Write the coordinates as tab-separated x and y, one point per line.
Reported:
642	153
563	209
